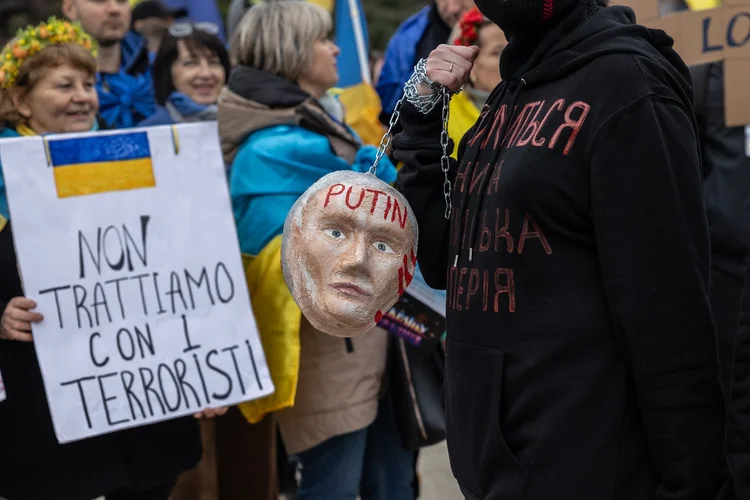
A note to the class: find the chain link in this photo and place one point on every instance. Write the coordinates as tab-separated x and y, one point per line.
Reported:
444	160
385	141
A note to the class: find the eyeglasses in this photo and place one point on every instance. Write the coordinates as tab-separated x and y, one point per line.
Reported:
181	30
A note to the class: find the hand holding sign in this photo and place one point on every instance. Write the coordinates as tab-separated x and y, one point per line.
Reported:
212	412
148	316
17	319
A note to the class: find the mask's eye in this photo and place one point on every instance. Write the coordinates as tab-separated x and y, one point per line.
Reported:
383	247
335	234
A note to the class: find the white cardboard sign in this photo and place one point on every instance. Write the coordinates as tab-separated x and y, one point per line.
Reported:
128	245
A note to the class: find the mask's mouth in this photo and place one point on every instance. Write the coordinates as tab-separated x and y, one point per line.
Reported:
352	290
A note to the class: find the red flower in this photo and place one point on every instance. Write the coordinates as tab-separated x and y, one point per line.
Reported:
469	24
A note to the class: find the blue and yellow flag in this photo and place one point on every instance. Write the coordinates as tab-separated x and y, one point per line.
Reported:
355	91
101	164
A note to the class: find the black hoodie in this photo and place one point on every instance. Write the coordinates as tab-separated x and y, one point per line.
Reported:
581	356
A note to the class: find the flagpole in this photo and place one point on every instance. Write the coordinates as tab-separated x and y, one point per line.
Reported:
359	40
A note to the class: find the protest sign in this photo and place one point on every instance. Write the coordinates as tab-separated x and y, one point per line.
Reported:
721	34
127	243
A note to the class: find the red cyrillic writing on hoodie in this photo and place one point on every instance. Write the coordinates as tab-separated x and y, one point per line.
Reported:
477	175
526	129
472	288
468	287
496	234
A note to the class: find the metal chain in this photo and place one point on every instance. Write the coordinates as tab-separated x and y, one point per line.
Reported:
444	160
385	141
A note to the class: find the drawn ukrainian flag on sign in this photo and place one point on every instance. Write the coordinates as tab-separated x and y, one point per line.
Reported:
101	164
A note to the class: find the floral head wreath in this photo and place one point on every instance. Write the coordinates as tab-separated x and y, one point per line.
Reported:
469	25
34	39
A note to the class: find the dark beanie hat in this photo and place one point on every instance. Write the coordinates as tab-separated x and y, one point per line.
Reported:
511	15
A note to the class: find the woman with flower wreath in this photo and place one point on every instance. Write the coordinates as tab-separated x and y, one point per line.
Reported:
47	85
473	29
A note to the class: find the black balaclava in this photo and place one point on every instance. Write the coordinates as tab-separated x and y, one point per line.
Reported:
532	27
513	15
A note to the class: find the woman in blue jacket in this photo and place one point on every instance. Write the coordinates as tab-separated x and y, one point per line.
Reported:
280	133
190	70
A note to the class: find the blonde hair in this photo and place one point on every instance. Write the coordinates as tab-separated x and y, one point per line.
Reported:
278	37
34	68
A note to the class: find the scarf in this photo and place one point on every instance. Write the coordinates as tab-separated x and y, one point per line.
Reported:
25	131
240	117
478	97
122	95
183	109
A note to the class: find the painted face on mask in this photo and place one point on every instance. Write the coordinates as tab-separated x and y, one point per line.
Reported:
348	252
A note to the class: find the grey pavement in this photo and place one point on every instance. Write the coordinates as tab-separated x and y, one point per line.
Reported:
437	481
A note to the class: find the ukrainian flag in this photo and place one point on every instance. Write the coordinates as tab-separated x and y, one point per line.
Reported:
101	164
355	90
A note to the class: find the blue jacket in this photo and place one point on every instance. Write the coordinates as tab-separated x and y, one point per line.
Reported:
127	97
273	167
400	57
182	105
160	117
133	48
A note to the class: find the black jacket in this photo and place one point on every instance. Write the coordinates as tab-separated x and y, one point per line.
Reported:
727	167
33	466
581	354
738	439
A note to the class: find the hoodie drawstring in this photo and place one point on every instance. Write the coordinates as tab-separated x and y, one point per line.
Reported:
460	228
485	178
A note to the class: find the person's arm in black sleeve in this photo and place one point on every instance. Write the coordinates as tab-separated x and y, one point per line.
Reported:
727	177
738	440
652	238
421	180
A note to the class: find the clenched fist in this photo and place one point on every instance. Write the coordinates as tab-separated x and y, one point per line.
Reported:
449	65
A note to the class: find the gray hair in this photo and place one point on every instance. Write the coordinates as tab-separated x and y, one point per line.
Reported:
278	37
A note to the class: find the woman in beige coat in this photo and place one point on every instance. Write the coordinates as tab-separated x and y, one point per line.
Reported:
280	133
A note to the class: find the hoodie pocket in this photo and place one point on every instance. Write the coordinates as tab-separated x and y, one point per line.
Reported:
480	458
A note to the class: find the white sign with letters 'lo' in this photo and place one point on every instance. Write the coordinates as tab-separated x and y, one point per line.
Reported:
127	243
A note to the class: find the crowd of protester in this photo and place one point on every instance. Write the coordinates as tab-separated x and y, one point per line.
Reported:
269	81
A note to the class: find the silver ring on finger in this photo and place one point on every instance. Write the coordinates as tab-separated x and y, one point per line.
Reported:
450	70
